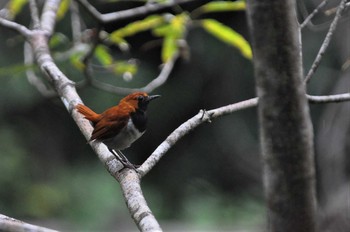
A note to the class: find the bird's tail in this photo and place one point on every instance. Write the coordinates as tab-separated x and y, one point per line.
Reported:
88	113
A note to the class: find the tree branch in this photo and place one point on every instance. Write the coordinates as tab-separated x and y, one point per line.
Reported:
286	134
315	11
130	13
329	99
326	41
48	16
151	86
186	127
13	225
24	31
34	11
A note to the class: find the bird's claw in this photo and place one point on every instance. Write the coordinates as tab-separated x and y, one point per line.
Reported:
129	165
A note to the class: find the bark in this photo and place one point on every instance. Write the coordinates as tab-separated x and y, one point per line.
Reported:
285	125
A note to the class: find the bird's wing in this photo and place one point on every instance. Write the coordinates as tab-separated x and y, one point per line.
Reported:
111	123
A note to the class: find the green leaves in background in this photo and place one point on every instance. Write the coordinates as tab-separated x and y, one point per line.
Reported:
172	32
63	8
15	7
150	22
219	6
103	55
227	35
170	27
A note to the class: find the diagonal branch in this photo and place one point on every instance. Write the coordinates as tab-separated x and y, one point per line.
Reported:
34	11
186	127
24	31
151	86
315	11
13	225
130	13
326	41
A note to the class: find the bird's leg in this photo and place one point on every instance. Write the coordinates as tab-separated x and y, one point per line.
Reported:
121	157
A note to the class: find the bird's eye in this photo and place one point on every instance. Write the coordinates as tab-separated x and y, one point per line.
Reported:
140	98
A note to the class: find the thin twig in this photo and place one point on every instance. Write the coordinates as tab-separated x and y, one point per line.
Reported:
24	31
75	22
162	77
150	87
329	99
326	41
186	127
315	11
130	13
34	11
32	78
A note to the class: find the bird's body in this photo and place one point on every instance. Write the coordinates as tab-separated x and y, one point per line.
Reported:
119	126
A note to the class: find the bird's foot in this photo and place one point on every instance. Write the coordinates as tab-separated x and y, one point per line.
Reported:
128	164
121	157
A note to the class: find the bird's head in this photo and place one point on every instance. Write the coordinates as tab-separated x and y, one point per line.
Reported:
139	100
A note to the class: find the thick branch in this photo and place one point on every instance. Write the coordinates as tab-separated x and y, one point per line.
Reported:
285	124
13	225
136	203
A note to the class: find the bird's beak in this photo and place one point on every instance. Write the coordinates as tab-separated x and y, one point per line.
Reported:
152	97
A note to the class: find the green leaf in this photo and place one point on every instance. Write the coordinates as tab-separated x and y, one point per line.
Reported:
103	56
169	48
121	67
57	39
227	35
133	28
15	6
219	6
172	32
75	60
62	10
15	69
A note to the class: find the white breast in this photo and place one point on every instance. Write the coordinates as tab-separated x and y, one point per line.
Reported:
125	138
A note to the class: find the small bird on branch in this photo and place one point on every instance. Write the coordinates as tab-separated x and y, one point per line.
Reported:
119	126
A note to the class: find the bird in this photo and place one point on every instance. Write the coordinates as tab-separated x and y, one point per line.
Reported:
121	125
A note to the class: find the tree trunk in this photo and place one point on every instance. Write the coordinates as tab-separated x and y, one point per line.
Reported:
285	126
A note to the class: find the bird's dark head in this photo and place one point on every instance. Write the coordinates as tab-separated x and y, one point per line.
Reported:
139	100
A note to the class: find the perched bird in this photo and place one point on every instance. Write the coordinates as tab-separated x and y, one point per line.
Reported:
119	126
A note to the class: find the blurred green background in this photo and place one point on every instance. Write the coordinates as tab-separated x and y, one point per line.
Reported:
210	180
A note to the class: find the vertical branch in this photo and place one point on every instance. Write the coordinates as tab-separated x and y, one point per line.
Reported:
135	201
285	126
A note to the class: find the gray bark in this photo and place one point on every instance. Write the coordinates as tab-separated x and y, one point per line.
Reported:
285	126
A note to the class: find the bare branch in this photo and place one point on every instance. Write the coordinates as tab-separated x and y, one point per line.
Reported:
136	203
13	225
186	127
130	13
34	11
48	17
24	31
329	99
162	77
326	41
76	24
32	78
310	16
151	86
206	116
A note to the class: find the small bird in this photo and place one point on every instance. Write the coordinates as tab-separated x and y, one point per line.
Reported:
119	126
